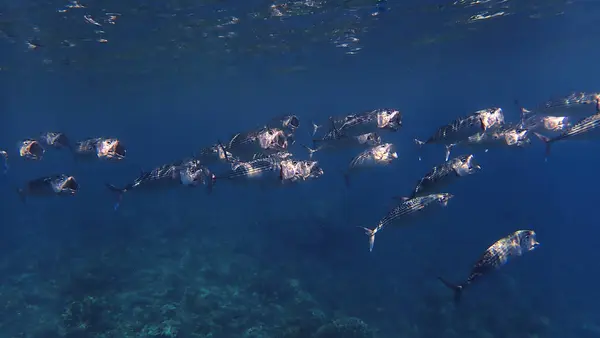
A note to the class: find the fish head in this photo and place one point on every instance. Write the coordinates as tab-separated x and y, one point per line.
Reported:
315	170
527	239
517	137
369	139
443	198
466	165
279	141
110	149
65	185
491	118
555	123
31	149
195	173
291	122
389	119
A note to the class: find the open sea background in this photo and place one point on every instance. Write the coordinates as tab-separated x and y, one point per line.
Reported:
244	261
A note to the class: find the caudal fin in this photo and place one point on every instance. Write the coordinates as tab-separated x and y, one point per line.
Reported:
371	234
547	141
458	289
420	144
119	192
311	151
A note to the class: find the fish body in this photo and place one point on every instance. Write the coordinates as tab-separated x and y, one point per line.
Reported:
496	256
266	141
50	185
102	148
214	154
378	155
31	149
189	172
575	105
335	140
403	213
369	122
259	168
544	123
446	173
464	127
585	129
55	140
502	137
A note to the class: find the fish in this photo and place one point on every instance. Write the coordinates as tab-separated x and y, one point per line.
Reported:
444	174
504	136
266	140
544	123
55	140
59	185
378	155
408	208
586	128
31	150
575	105
464	127
102	148
368	122
336	140
289	123
188	172
299	170
496	256
4	156
214	154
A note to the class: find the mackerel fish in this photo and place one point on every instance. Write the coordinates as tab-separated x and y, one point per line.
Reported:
446	173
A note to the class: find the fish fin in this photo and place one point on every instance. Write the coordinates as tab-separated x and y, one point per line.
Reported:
371	234
448	149
458	289
315	128
119	192
401	198
311	151
220	144
281	173
546	141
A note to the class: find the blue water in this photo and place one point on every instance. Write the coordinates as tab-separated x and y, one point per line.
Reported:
246	261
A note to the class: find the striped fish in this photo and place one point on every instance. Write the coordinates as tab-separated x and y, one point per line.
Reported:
266	140
496	256
444	174
464	127
587	128
501	137
378	155
544	123
369	122
576	105
408	208
101	148
336	140
59	185
31	149
55	140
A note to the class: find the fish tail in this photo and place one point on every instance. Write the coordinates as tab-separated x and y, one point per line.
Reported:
119	192
311	151
315	128
448	149
458	289
547	141
371	234
419	142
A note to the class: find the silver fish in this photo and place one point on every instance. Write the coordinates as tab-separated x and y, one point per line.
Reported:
214	154
368	122
335	140
31	149
444	174
544	123
295	170
505	136
189	172
496	256
266	140
464	127
4	156
50	185
102	148
379	155
587	128
575	105
408	208
55	140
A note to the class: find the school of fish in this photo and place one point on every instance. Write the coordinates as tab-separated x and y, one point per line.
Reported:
262	155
